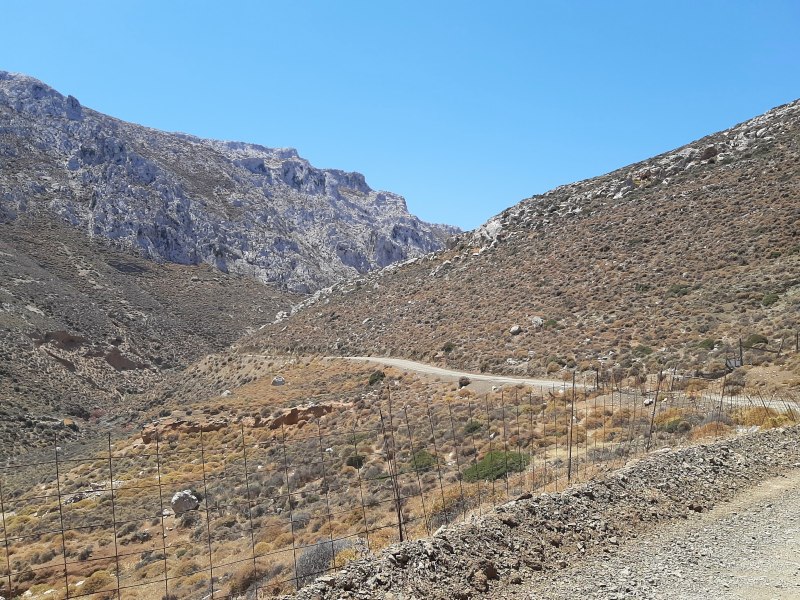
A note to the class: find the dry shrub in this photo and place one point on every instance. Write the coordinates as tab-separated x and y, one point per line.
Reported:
262	548
695	387
282	540
674	420
593	421
186	568
612	434
347	555
620	418
579	434
710	430
98	581
382	537
451	497
557	431
760	416
243	579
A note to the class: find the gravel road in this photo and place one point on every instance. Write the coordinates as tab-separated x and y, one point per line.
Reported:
447	374
748	548
489	379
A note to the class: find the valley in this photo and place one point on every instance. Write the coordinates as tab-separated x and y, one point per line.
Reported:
226	373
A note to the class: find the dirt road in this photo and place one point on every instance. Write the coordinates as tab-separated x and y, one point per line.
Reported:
449	375
748	548
488	380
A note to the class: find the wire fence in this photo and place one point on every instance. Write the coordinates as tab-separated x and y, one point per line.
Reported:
260	511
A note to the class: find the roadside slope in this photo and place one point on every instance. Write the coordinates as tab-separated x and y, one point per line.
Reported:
667	261
452	375
535	539
746	549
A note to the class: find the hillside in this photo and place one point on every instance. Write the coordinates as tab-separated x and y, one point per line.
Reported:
127	253
665	262
241	208
85	328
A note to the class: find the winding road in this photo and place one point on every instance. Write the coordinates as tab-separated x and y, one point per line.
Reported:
450	375
500	380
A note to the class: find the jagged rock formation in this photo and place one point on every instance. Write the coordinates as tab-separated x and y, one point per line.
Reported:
242	208
664	262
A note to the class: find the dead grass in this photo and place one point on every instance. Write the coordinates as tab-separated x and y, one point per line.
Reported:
710	430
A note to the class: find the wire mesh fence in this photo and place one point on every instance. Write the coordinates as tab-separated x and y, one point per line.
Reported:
264	510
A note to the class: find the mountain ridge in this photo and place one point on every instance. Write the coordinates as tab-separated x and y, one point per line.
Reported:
126	253
243	208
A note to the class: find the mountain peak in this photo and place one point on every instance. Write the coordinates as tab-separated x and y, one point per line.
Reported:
241	207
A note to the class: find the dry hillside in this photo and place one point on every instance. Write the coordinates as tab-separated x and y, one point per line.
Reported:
665	262
86	329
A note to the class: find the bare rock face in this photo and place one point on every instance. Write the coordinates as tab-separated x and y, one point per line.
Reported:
240	207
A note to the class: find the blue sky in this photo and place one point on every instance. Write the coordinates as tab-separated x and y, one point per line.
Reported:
464	108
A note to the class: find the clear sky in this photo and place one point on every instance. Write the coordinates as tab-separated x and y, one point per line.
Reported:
463	107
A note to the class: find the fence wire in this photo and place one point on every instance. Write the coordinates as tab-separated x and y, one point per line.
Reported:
248	509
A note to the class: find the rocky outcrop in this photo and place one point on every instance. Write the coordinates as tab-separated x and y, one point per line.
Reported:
293	417
242	208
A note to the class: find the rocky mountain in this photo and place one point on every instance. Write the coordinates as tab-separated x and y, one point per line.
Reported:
126	253
239	207
665	262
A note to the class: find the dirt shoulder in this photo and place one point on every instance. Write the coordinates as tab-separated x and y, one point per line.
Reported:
666	509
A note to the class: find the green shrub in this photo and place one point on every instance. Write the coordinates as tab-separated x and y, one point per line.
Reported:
707	344
642	351
423	461
356	461
677	290
472	427
495	465
448	347
376	377
675	425
769	299
755	339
